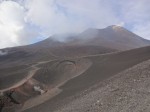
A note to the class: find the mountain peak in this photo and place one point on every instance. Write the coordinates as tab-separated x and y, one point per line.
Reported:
118	28
114	27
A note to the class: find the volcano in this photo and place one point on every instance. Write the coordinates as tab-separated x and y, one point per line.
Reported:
98	70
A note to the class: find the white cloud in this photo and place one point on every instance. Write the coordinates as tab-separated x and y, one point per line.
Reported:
142	30
13	25
60	16
135	14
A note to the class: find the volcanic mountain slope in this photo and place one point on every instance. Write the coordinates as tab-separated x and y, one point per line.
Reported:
100	69
33	53
66	78
94	41
44	76
115	37
89	42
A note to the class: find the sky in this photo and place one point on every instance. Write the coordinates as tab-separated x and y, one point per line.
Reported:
24	22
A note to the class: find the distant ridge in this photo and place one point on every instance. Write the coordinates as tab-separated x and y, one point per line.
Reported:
115	37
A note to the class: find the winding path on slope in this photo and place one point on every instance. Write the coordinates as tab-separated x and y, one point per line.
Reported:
34	69
51	92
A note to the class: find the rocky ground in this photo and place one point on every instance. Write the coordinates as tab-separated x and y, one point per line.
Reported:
128	91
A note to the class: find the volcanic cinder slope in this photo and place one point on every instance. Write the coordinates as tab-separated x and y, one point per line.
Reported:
93	72
127	91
